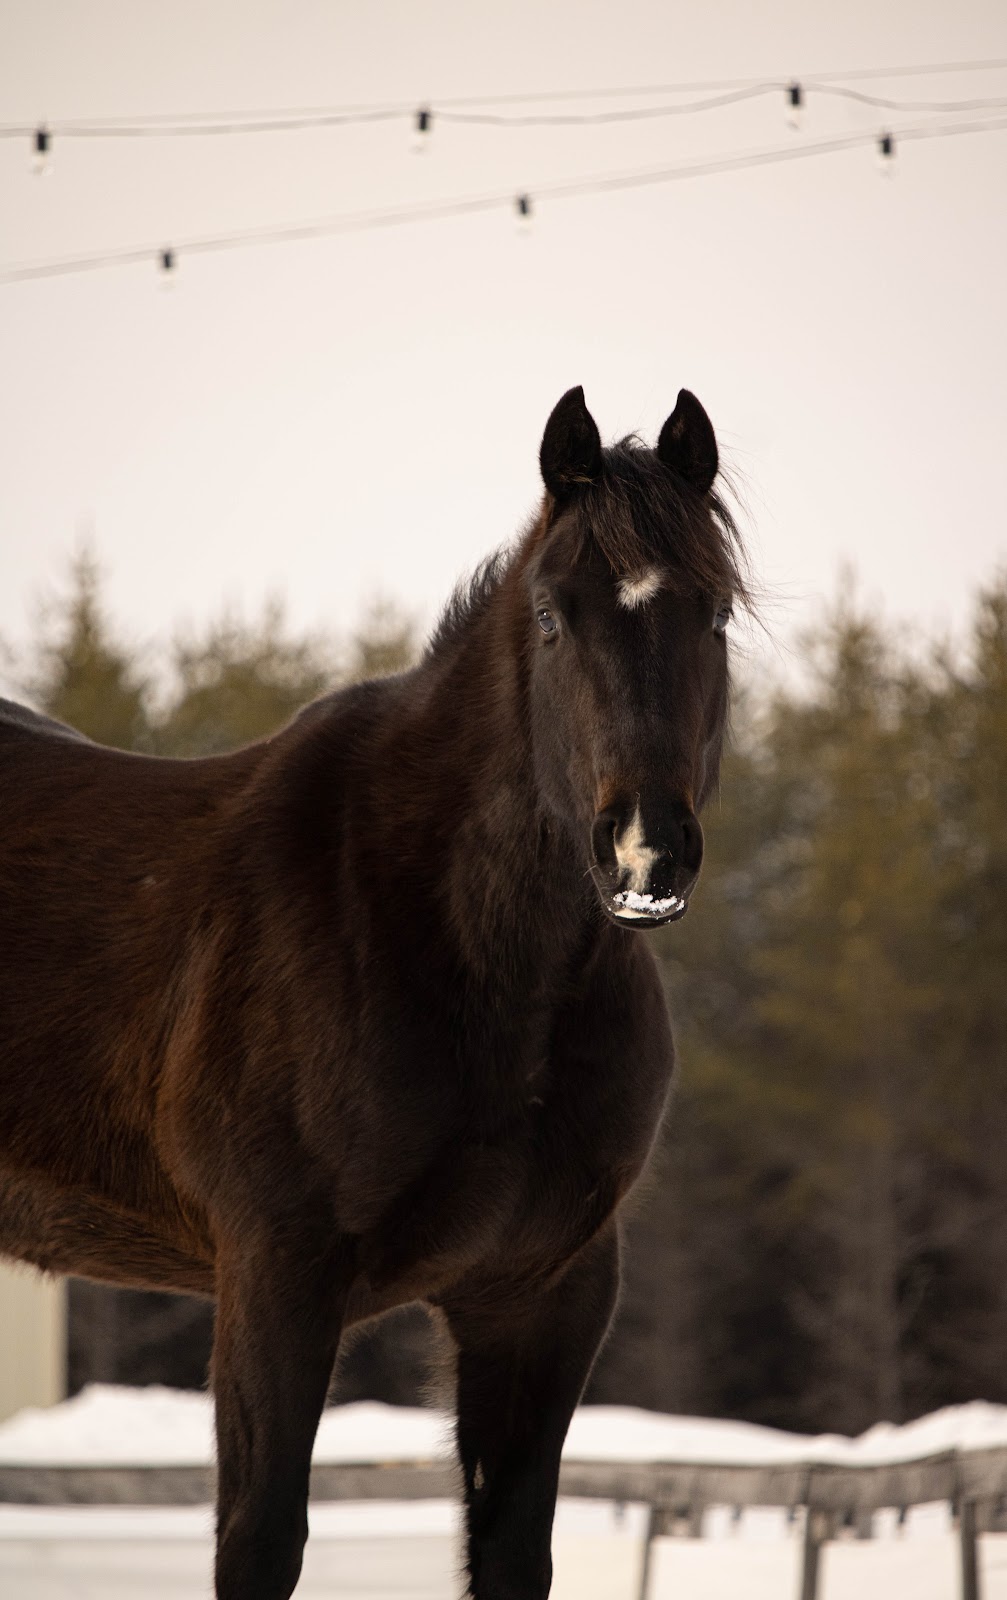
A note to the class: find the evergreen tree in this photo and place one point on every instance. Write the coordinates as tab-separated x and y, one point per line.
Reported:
81	674
383	643
238	683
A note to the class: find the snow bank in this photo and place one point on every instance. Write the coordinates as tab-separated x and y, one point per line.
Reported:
111	1426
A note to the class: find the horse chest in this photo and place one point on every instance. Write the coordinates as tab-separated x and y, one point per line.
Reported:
527	1198
509	1154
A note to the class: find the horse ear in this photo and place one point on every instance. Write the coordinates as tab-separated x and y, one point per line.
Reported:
687	443
571	446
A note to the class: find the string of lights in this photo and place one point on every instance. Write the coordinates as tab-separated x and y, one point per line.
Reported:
281	122
885	103
714	94
166	257
733	97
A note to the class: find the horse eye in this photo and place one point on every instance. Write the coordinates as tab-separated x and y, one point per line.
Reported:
547	622
721	620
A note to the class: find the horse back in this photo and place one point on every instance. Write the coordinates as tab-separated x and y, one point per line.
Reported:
106	865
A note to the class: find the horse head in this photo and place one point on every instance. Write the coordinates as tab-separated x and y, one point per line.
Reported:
629	589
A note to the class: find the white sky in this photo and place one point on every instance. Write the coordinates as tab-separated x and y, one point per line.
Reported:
344	417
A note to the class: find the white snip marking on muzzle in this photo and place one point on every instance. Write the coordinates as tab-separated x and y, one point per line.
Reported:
632	592
634	855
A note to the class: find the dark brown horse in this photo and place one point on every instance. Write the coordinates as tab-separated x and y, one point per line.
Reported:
357	1016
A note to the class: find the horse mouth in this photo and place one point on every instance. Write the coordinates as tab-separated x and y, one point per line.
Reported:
646	910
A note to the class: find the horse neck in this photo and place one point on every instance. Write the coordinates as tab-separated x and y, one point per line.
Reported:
511	867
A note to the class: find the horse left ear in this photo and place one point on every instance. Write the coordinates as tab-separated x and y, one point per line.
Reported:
687	443
571	446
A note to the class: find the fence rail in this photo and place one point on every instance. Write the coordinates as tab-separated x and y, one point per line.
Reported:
974	1482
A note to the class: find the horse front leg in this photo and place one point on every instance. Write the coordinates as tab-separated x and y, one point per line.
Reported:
279	1315
524	1356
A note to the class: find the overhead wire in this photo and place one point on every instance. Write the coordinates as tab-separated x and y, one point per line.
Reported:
712	85
887	104
642	113
359	222
281	122
715	92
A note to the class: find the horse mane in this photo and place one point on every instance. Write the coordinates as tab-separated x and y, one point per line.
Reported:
469	599
627	515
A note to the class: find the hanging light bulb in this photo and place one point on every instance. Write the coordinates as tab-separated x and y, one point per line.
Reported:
886	154
795	105
522	207
421	130
41	160
167	268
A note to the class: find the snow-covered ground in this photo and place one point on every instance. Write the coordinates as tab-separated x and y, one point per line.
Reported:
408	1551
380	1551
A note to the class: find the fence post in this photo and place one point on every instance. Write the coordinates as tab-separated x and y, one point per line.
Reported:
970	1558
816	1531
654	1522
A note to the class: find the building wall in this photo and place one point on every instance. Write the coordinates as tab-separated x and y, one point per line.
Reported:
32	1339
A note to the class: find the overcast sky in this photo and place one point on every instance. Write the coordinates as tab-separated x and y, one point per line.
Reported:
360	415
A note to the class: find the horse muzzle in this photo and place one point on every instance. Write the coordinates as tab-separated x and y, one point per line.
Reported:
646	861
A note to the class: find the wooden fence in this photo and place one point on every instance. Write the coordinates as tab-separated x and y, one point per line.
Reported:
833	1498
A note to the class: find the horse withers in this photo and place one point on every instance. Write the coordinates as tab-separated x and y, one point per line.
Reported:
356	1016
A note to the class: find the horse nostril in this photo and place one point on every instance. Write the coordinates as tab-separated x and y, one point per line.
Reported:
692	843
603	839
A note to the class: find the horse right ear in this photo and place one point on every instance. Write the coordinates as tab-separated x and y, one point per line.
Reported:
688	444
571	446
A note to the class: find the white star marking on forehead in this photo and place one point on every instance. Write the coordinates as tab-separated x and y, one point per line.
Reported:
632	592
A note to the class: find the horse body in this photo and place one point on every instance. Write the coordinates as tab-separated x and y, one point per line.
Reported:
337	1022
190	896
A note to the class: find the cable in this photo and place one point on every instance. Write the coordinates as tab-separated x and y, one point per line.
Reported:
567	119
535	119
712	85
726	92
360	222
282	123
168	129
903	105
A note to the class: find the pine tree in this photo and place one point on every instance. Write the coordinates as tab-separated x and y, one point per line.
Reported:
383	643
81	674
237	683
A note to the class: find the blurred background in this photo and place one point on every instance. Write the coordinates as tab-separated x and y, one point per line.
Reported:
239	471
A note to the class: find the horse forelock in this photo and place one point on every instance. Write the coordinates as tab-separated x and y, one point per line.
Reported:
641	517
